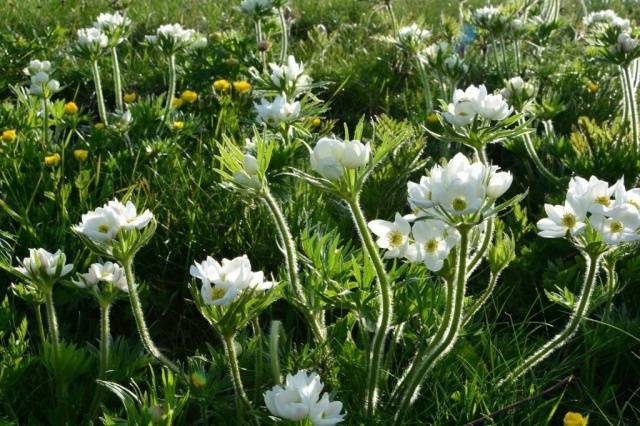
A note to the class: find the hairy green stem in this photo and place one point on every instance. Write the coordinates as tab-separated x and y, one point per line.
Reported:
482	298
117	80
40	324
274	338
291	261
285	36
242	401
52	322
392	15
45	123
385	313
138	314
581	308
259	44
105	338
484	246
426	87
171	92
445	337
531	150
102	110
632	107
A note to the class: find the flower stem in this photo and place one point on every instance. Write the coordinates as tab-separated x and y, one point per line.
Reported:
482	299
285	36
242	401
580	310
117	80
291	260
426	88
40	324
632	106
52	322
172	85
484	245
45	123
531	150
102	110
392	15
138	314
385	298
446	335
274	338
105	338
259	41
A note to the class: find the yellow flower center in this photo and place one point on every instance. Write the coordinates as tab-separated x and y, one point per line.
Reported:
603	200
218	293
569	220
459	204
431	246
616	227
104	228
395	238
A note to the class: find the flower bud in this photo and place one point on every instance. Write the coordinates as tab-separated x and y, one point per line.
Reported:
251	164
499	183
355	154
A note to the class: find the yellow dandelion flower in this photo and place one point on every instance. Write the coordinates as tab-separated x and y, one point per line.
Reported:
8	135
189	96
70	108
241	86
178	125
575	419
221	85
80	154
130	97
177	102
52	160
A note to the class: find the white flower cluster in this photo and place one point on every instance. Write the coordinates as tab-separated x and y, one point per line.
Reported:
459	188
113	25
331	157
104	223
604	18
517	87
413	34
474	101
299	399
92	39
221	283
176	37
108	272
290	77
487	17
280	110
41	83
612	211
43	264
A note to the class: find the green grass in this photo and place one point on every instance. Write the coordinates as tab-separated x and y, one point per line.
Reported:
172	174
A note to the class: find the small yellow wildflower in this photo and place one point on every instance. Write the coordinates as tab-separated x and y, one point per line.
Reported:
52	160
241	86
176	102
8	135
575	419
316	122
98	126
80	154
70	108
592	86
198	379
432	118
130	97
178	125
221	85
189	96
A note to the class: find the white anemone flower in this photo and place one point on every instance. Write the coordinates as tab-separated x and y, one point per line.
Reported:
43	263
413	34
459	187
108	272
494	107
465	105
326	158
92	38
278	111
111	21
392	236
562	219
300	399
355	154
499	182
433	240
620	225
419	194
593	196
223	282
127	215
629	197
290	76
99	225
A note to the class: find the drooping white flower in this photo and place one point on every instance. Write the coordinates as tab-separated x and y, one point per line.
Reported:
299	399
562	219
223	282
278	111
433	240
290	76
620	225
108	272
499	182
92	38
392	236
44	264
459	187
